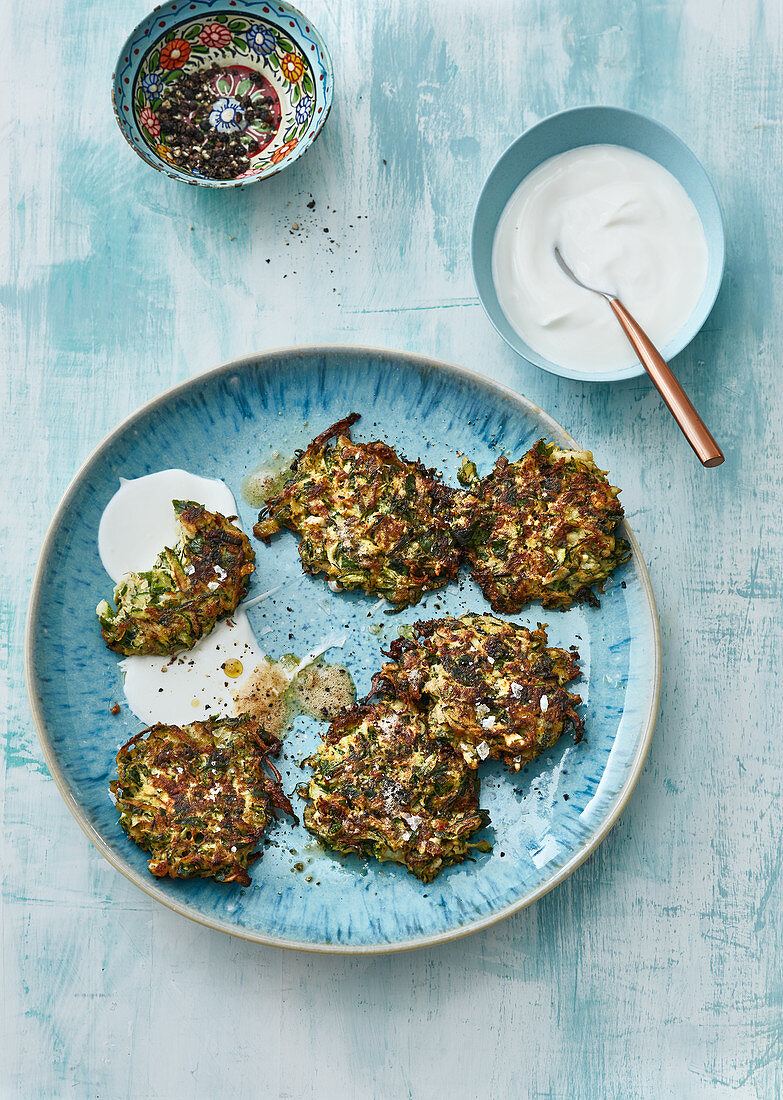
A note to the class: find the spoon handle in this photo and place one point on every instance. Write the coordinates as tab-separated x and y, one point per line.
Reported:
679	404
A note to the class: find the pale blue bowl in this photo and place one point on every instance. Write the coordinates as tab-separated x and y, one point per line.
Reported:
594	126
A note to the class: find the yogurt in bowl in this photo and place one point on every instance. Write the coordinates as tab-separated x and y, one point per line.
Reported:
632	212
625	225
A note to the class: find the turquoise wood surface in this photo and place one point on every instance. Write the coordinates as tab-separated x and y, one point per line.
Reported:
655	969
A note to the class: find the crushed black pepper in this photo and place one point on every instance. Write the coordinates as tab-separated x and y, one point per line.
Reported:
192	141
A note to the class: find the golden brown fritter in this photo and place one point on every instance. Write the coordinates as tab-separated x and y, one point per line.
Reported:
367	518
198	798
188	589
494	688
383	786
543	528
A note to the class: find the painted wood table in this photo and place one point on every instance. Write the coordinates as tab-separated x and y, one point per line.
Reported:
654	971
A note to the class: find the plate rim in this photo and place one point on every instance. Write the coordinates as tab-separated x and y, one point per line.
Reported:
149	887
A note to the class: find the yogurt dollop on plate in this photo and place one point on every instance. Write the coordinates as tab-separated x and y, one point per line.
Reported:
139	519
623	224
226	666
136	524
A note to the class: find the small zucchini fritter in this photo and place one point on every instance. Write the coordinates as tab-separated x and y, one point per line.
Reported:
367	517
542	528
187	590
494	688
198	798
383	787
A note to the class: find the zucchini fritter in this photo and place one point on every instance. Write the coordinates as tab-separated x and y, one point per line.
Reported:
367	517
494	688
187	590
542	528
383	786
199	797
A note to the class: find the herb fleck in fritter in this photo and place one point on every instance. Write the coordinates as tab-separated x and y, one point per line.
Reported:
494	688
198	798
367	517
187	590
383	786
542	528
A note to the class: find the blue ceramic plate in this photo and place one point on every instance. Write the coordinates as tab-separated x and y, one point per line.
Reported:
569	130
545	820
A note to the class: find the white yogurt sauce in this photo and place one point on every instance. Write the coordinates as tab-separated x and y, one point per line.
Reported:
136	524
139	520
623	224
195	686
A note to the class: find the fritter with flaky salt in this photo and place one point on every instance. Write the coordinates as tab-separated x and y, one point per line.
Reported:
198	798
495	689
187	590
543	528
367	518
382	786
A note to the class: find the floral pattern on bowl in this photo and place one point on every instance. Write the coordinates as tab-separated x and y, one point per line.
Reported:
263	49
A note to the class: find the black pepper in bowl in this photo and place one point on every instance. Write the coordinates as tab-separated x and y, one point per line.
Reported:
212	134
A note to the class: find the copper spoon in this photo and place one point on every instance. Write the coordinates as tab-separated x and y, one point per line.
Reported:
679	404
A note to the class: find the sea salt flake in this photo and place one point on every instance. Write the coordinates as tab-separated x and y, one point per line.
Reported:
482	749
544	704
488	723
516	690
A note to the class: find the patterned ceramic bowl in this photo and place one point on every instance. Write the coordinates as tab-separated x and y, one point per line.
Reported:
249	57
